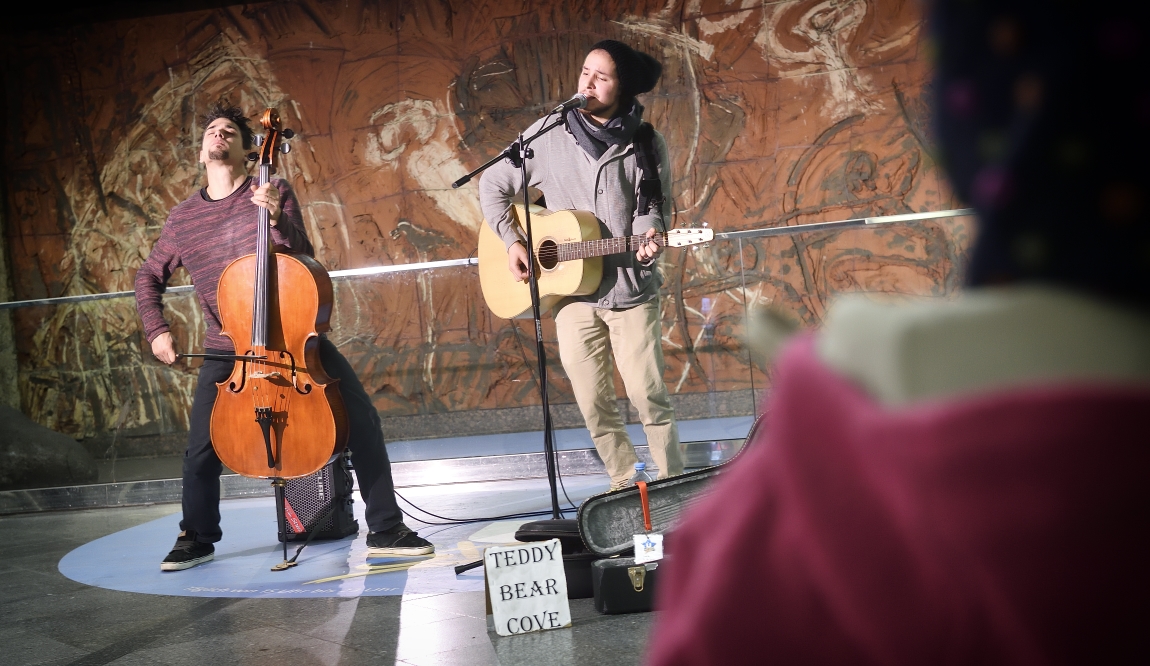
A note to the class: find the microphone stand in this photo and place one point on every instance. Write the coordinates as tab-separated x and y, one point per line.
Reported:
518	153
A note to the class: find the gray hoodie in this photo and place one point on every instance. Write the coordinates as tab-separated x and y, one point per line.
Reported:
571	179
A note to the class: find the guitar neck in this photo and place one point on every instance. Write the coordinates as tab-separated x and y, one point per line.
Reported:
604	246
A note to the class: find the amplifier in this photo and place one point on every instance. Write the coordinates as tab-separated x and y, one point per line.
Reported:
308	498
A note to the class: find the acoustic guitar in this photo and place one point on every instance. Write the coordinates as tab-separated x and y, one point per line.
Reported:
568	258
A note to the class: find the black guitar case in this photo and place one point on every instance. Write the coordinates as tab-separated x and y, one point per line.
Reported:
597	542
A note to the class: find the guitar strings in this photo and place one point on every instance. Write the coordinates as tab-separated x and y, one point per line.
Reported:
550	252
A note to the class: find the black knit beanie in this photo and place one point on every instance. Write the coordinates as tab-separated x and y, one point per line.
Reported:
637	72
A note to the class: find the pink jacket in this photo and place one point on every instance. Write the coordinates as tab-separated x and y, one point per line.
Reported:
1009	527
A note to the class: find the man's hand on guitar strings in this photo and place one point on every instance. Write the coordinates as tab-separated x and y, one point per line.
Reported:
517	261
650	250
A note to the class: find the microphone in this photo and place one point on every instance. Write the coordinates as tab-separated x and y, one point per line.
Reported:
577	102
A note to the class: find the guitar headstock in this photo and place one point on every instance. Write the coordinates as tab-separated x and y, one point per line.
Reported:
272	142
689	236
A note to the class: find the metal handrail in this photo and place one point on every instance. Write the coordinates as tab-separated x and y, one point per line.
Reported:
472	261
843	224
335	275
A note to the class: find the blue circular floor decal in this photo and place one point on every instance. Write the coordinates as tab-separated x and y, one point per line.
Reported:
129	561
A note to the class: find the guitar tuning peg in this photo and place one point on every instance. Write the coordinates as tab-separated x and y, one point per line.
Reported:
258	139
285	148
705	223
288	134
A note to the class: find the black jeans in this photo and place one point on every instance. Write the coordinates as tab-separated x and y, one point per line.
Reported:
202	467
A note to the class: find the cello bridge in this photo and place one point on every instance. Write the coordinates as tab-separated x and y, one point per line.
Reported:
266	375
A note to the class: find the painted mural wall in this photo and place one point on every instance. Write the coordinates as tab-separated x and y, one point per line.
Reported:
776	113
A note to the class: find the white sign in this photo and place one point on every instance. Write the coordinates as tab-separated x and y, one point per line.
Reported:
648	548
527	587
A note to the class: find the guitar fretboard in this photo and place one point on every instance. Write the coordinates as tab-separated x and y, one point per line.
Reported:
605	246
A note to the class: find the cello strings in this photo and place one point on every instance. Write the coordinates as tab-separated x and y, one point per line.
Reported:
259	315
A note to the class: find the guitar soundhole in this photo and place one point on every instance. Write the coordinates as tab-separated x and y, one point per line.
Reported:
548	254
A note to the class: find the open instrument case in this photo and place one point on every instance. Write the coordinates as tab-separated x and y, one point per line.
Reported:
598	541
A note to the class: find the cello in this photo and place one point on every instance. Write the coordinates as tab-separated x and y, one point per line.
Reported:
278	415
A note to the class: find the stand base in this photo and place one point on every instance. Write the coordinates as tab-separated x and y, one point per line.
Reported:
281	516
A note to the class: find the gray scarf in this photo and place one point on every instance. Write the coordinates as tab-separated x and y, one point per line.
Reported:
618	131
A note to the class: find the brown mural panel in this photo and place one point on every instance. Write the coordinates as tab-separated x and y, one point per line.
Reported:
774	113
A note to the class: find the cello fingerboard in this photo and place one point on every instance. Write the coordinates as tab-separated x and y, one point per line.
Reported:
263	256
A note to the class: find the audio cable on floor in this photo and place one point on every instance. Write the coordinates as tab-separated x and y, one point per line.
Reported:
465	521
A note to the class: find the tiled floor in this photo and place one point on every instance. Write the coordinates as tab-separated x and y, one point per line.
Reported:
722	428
719	428
50	619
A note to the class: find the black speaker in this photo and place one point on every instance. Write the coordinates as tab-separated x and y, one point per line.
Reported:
309	498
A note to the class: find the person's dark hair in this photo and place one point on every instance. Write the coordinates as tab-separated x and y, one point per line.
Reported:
222	109
1040	115
637	72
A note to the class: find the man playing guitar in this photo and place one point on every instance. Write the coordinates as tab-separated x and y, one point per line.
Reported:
592	166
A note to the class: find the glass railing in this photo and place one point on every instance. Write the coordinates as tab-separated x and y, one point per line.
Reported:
450	379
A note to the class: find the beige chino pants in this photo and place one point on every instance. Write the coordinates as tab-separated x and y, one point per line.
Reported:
588	338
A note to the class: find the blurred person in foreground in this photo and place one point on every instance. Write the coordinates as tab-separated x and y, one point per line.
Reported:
963	482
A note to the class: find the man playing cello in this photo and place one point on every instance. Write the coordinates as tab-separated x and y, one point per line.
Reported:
205	233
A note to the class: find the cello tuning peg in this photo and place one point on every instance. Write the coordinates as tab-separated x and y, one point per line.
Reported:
285	148
252	157
258	139
288	134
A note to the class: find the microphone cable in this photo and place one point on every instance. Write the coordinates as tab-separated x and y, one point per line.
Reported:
550	425
465	521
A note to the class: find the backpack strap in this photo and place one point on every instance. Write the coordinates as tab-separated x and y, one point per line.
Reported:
650	187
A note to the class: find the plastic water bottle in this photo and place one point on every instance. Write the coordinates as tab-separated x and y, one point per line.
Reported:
640	474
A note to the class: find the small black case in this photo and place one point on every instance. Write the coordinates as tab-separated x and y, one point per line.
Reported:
576	558
621	586
564	529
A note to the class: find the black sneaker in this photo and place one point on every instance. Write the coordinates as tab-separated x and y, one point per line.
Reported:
399	540
188	553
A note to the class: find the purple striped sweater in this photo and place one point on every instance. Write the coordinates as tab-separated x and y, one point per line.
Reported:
204	236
